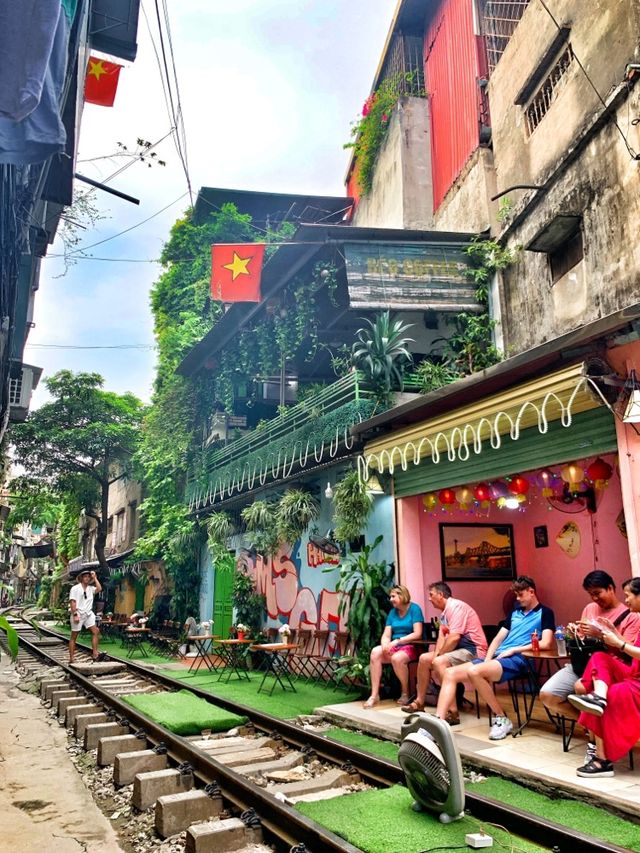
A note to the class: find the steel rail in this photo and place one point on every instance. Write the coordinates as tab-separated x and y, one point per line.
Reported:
371	767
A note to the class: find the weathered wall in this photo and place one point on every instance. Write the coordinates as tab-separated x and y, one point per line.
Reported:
602	185
466	207
401	195
604	37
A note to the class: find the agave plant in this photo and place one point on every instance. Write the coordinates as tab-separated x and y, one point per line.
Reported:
381	353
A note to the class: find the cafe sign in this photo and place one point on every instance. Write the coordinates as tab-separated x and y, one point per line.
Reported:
410	276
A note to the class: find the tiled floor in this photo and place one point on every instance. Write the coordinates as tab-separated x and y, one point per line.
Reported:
536	753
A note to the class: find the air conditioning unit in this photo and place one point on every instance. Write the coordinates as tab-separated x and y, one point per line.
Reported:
22	383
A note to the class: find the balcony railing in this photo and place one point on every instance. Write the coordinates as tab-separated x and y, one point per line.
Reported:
307	434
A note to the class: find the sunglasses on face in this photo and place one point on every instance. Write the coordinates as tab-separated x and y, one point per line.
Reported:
84	595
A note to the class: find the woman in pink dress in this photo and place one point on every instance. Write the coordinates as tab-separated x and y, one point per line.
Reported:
610	703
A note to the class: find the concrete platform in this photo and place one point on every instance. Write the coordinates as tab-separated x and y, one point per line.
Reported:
536	754
106	667
44	804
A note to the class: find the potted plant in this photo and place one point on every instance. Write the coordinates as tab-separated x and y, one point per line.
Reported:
351	507
241	630
381	353
260	519
364	587
296	510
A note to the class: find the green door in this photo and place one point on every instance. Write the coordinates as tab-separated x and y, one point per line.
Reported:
222	604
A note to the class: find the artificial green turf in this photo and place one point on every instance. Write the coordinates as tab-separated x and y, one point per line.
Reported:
184	713
383	748
283	705
113	647
383	821
572	813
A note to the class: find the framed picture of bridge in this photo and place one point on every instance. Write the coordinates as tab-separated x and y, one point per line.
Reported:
477	552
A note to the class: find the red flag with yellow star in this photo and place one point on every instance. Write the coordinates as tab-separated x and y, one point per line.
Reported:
101	82
236	269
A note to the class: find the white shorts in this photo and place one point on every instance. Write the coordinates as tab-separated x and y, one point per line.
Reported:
86	620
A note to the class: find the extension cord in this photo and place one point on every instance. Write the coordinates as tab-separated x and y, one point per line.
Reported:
478	839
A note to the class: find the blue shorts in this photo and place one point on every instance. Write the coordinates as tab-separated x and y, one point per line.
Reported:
512	667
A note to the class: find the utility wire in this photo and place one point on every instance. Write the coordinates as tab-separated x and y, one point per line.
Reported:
633	154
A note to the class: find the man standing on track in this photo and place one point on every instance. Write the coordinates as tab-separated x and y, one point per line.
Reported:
82	615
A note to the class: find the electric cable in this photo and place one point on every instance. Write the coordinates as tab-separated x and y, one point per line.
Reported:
633	154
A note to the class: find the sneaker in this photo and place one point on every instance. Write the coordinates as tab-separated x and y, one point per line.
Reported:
596	767
590	702
502	726
590	754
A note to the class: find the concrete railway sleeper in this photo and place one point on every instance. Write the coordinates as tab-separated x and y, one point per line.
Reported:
205	784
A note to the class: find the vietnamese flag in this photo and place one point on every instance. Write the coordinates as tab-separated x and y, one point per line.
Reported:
236	269
101	82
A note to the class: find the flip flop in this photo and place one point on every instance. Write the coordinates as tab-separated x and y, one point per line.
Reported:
370	703
403	700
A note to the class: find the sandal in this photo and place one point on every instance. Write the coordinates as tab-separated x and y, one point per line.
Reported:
412	708
403	700
370	703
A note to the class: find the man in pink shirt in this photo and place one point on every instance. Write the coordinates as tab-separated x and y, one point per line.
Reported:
460	640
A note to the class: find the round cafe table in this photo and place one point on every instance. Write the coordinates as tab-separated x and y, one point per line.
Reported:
234	658
277	664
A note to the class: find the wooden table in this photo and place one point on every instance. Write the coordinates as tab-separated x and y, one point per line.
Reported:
202	642
234	662
276	656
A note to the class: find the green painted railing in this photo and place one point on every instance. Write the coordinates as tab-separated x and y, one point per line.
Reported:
301	435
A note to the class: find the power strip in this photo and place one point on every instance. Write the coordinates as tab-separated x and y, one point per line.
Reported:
478	839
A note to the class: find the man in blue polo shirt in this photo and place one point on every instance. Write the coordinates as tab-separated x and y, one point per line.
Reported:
504	659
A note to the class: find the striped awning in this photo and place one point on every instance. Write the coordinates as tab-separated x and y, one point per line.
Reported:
456	435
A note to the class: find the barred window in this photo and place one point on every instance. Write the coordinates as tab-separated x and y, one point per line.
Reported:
548	90
499	20
15	391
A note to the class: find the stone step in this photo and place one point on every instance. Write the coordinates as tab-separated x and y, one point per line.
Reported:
99	668
240	744
233	759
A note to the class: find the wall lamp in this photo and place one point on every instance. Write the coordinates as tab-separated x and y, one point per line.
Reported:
632	410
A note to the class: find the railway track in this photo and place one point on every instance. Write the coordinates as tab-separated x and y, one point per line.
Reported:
208	776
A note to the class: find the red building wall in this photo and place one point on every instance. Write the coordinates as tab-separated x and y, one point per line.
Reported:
451	76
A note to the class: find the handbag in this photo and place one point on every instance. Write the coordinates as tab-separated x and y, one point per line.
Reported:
580	649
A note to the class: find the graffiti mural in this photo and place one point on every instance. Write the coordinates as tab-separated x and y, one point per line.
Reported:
298	591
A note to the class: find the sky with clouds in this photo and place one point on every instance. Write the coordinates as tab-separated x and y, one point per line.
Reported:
268	90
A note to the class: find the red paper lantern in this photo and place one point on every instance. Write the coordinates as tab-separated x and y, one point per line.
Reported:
519	485
447	497
599	471
481	492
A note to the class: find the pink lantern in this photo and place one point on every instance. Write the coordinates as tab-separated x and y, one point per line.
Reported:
546	480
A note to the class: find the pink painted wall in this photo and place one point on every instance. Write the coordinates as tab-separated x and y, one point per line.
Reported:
558	577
